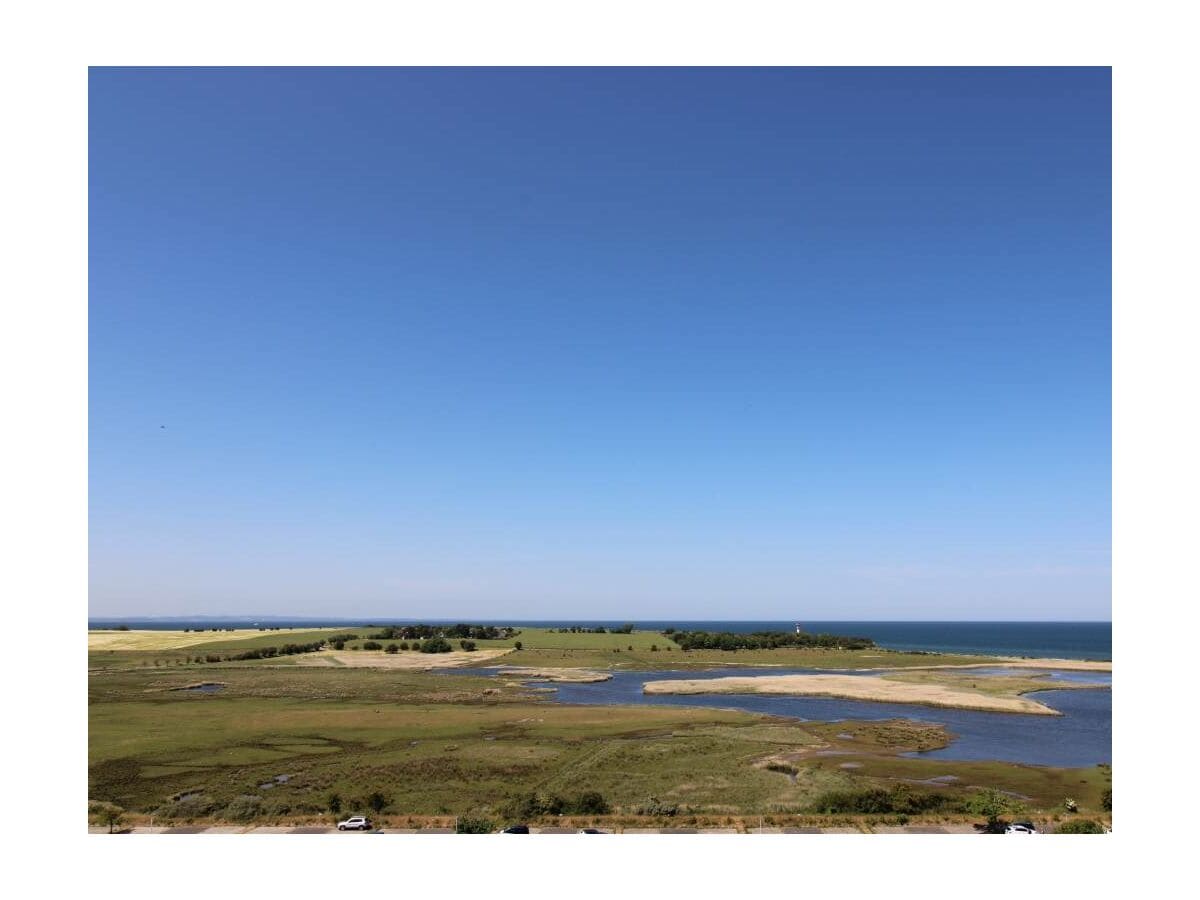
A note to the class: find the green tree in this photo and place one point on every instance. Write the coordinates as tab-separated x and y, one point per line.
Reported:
392	648
517	644
107	814
335	803
992	804
377	802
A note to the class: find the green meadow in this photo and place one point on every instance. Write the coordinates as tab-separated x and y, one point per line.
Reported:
286	743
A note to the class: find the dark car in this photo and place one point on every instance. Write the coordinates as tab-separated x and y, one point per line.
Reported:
590	831
516	829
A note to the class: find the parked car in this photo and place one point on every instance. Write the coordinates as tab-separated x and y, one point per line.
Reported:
1021	828
355	823
590	831
516	829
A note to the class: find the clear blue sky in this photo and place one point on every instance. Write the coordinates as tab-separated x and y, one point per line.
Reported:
814	344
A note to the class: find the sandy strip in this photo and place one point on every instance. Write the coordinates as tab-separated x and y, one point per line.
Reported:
578	676
852	687
410	659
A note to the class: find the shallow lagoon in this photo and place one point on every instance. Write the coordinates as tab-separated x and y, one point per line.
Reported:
1082	736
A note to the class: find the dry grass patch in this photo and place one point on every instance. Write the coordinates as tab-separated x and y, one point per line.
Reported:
404	659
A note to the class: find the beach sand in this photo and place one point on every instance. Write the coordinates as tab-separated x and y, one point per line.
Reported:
852	687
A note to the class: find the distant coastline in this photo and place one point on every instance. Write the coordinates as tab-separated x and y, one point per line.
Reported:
1062	640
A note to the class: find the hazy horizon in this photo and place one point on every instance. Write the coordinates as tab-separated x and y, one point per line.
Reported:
823	344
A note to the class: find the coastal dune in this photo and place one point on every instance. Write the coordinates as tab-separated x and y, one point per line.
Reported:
852	687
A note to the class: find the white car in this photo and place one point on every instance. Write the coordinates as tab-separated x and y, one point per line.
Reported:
355	823
1020	828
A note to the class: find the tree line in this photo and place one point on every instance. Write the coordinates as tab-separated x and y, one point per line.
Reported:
764	640
453	632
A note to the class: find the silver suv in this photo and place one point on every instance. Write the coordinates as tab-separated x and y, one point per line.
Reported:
355	823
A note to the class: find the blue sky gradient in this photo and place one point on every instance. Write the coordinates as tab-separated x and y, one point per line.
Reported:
812	344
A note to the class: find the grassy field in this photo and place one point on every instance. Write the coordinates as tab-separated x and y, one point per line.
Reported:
433	744
540	648
242	639
289	735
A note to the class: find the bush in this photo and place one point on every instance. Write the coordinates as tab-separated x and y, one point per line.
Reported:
1081	826
590	803
377	802
474	825
530	806
243	809
193	806
335	803
436	645
339	645
372	645
655	807
404	645
392	648
517	644
469	646
276	807
900	800
1106	800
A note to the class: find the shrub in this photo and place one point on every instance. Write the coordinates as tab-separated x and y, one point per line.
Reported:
530	806
436	645
377	802
474	825
372	645
469	646
276	807
1081	826
243	809
517	644
655	807
1106	800
339	645
335	803
404	645
590	803
392	648
186	806
900	800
